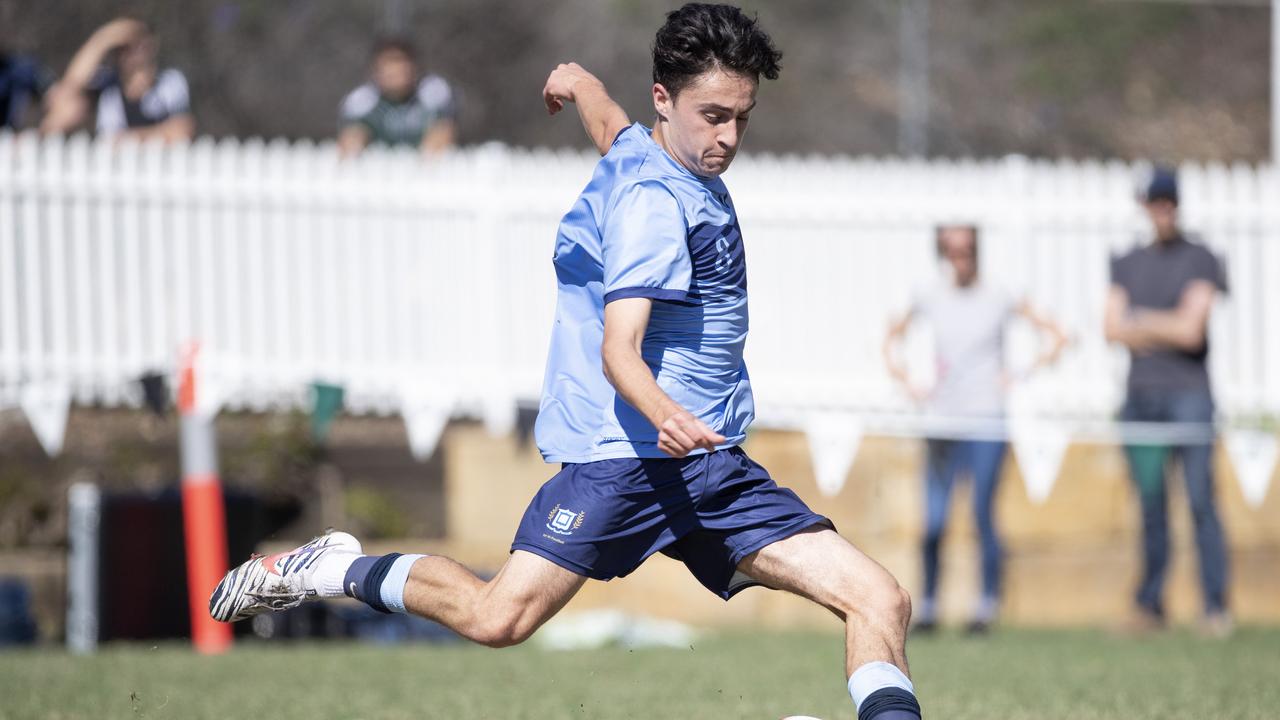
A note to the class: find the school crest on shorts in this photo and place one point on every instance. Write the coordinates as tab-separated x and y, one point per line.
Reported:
563	521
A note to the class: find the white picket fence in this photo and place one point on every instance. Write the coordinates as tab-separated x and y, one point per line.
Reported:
398	278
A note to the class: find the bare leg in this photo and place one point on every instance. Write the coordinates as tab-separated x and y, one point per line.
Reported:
501	612
820	565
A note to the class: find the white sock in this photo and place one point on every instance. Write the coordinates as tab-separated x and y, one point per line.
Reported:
330	571
987	608
925	610
874	676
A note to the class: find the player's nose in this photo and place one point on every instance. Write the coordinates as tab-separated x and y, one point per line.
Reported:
730	136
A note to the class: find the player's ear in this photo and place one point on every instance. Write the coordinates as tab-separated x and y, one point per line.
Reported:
662	101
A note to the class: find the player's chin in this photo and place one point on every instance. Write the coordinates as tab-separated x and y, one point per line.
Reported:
713	165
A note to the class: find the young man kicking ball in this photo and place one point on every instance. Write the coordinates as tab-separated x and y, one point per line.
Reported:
646	399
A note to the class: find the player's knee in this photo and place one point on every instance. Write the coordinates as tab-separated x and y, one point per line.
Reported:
885	603
499	634
903	611
500	630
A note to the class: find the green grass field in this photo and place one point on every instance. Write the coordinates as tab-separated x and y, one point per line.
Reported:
1012	674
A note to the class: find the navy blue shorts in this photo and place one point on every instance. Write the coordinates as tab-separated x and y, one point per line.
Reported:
603	519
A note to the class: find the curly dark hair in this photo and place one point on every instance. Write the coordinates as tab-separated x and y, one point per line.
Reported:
700	37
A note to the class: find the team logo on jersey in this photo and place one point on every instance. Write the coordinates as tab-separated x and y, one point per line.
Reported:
719	264
563	521
724	258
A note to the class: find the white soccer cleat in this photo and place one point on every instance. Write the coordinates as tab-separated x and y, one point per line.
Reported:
276	582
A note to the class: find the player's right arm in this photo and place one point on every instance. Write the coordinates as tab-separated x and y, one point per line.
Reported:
679	432
1115	321
602	118
1185	327
892	358
351	140
66	105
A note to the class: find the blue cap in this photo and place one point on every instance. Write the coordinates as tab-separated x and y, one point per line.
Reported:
1162	186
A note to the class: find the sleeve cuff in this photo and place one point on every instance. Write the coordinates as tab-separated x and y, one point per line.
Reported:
652	293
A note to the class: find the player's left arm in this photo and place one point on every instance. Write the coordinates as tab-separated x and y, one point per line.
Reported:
439	138
602	118
176	128
1185	327
179	124
679	432
1046	326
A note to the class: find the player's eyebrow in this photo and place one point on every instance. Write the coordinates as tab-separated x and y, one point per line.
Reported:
725	109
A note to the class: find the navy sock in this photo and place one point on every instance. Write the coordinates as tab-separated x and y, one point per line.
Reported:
364	578
890	703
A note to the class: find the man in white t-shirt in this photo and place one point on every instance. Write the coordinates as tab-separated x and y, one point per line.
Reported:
968	319
115	77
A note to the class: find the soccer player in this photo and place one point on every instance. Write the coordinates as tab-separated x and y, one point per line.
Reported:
646	399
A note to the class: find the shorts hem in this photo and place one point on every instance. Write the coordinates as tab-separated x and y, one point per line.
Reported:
629	450
782	533
564	562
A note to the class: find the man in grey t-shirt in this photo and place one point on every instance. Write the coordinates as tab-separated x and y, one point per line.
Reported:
968	319
1159	304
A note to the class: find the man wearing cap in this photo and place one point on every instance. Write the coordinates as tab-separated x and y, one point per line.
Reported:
1158	307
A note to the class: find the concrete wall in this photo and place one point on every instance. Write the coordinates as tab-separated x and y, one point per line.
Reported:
1070	561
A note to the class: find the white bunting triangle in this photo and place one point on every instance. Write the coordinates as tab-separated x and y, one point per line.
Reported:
500	415
1039	448
46	406
424	426
426	412
1253	453
833	444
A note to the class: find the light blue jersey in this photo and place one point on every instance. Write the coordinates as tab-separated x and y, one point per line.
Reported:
646	227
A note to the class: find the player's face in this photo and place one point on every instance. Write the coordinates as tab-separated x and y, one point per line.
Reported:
960	251
393	73
138	56
705	123
1164	217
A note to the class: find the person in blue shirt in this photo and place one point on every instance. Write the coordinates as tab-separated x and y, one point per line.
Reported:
23	83
646	399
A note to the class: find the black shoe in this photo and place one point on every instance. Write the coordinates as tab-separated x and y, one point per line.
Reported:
924	627
978	627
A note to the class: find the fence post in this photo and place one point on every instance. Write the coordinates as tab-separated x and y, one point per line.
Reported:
84	502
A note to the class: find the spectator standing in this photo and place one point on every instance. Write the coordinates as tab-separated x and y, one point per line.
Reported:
1158	307
22	84
968	319
114	82
398	105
